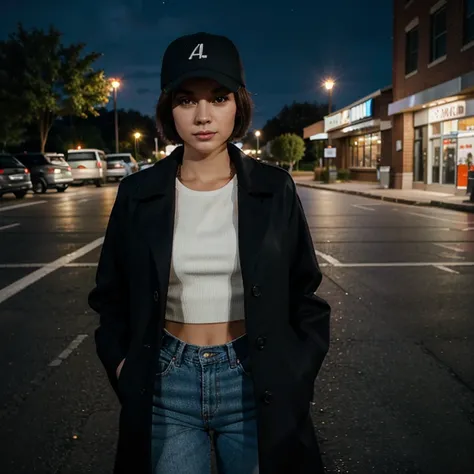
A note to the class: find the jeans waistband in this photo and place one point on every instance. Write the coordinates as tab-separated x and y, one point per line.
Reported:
233	351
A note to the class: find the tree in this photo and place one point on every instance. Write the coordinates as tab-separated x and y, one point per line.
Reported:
41	79
293	118
288	148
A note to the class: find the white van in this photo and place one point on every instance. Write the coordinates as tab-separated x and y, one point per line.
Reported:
88	165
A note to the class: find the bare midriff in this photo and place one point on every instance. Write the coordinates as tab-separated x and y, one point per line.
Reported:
213	334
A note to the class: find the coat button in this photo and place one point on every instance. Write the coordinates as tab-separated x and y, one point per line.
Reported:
146	346
267	397
256	291
261	341
142	391
156	296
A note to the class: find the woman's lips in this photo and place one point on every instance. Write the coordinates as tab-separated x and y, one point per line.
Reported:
204	136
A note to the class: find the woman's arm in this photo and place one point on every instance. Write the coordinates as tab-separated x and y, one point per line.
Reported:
109	298
309	313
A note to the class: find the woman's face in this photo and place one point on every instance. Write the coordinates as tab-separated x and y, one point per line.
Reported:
204	114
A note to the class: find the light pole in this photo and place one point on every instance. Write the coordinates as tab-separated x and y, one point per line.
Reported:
115	86
257	134
329	85
137	136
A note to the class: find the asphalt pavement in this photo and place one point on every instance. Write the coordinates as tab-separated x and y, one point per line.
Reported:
396	394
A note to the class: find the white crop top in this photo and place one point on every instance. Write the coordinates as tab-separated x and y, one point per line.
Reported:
205	279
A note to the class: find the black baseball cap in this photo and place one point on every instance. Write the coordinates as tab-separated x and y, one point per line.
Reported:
202	55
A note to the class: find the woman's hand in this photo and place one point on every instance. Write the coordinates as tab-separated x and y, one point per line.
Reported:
119	368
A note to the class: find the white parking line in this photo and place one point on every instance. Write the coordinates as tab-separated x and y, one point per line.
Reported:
435	218
468	228
68	351
39	265
364	208
446	269
328	258
18	206
10	226
33	277
449	247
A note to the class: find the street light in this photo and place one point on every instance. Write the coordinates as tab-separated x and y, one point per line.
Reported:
329	86
257	134
137	136
115	85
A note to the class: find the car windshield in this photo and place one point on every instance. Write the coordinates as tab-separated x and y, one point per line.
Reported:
9	162
56	160
118	158
81	156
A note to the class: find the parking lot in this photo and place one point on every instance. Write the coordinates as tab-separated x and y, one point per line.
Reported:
396	394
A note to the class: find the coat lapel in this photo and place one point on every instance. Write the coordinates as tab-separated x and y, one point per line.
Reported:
156	211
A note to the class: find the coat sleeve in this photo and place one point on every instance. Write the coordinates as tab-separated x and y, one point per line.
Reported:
309	313
109	298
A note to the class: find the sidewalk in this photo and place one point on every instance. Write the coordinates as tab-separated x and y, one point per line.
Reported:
403	196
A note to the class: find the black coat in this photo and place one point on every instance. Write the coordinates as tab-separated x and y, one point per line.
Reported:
287	325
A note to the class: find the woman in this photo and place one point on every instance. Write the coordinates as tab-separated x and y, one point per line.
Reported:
205	290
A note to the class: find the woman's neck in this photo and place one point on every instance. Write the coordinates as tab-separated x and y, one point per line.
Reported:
208	168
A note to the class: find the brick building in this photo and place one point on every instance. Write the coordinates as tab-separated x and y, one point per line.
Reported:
433	94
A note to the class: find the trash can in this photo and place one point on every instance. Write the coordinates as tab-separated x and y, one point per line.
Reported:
384	177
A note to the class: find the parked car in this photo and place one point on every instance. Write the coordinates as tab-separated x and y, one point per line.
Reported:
48	171
115	168
14	177
88	165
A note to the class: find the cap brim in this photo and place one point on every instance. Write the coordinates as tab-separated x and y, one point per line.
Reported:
222	79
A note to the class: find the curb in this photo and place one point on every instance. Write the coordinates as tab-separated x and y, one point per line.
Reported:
409	202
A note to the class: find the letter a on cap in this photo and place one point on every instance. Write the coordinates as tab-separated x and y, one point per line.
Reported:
198	51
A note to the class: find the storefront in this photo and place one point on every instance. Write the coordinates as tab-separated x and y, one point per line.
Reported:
444	144
361	134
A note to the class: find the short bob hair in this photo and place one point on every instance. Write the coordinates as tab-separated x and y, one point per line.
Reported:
165	122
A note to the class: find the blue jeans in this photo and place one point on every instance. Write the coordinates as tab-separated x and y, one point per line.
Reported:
199	389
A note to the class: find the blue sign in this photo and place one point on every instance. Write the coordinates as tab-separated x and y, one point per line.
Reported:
361	111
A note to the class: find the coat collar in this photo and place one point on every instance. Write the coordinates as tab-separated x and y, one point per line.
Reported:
160	179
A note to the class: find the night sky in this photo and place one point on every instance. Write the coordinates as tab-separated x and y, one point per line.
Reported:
287	48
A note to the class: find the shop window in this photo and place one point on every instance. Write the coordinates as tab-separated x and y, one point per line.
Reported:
466	125
411	51
365	151
451	126
436	128
468	21
438	34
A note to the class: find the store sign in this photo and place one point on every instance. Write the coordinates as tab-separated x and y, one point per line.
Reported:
361	111
330	153
334	121
450	111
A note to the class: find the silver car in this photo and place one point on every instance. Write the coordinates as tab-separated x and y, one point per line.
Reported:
88	165
115	167
14	177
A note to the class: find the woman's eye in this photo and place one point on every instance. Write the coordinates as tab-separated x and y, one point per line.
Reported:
184	101
221	99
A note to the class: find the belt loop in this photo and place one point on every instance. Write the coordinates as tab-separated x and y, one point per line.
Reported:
232	355
178	352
